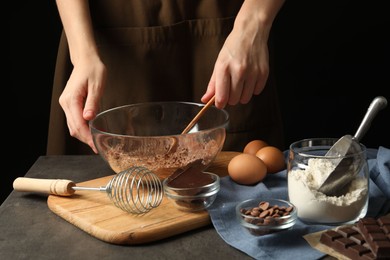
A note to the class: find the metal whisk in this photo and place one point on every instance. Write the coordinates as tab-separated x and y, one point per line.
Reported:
135	190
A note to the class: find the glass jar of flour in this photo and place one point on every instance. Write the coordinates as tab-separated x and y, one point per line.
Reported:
308	168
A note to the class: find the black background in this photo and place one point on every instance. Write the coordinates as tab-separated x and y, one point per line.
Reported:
332	59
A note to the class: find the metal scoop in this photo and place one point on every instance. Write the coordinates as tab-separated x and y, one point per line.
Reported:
349	166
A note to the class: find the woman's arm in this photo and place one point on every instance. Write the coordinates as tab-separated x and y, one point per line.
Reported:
81	95
76	20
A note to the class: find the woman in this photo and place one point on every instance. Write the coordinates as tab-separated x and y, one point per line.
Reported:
119	52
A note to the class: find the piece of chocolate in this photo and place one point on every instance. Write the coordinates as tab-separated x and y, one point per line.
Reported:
348	242
189	177
376	233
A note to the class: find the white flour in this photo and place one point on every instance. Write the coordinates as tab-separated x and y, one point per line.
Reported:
314	206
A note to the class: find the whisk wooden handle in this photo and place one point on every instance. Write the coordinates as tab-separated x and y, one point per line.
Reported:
48	186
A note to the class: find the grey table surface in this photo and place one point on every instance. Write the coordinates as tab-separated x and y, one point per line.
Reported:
30	230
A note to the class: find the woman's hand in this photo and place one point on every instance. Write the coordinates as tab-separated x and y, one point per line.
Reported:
242	66
81	96
241	69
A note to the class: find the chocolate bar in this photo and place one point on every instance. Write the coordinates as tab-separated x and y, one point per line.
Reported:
348	242
376	232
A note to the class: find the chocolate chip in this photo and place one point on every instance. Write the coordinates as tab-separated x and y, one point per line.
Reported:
264	205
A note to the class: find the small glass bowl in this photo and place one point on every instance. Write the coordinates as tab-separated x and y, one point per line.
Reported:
260	222
193	198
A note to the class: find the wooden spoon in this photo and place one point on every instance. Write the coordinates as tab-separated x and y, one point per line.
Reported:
198	116
173	147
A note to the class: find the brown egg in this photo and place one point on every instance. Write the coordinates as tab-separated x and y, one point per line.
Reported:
247	169
273	158
253	146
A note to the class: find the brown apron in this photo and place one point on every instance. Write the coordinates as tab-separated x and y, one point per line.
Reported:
163	50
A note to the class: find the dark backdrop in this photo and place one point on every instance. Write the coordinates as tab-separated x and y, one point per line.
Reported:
332	59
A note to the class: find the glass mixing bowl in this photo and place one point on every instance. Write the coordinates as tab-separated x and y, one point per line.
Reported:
149	135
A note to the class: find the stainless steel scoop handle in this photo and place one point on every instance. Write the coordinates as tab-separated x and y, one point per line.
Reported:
344	169
376	105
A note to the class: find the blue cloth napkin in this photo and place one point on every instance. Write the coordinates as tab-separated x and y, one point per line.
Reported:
289	244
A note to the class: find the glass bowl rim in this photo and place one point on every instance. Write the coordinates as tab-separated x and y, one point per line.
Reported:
208	194
293	148
223	125
214	185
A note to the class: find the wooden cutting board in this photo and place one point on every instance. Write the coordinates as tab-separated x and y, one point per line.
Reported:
94	213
